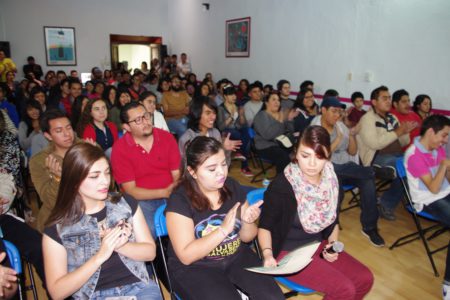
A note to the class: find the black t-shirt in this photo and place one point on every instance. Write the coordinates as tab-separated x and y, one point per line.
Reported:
206	222
113	272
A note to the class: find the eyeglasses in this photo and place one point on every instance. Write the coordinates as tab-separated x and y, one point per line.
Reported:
147	116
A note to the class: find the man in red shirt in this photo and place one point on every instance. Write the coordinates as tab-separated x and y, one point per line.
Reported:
145	161
401	108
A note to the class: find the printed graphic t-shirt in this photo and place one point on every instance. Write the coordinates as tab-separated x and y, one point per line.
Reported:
206	222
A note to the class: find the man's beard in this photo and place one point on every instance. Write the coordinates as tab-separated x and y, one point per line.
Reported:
176	89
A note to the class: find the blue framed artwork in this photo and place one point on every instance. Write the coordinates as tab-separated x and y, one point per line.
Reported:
237	37
60	49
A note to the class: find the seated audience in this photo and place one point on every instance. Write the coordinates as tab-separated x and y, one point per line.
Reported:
33	67
401	108
93	125
231	120
380	141
267	89
184	66
122	98
355	113
422	106
175	104
254	104
220	85
345	161
209	222
29	126
242	92
330	93
428	173
145	160
307	85
269	124
307	109
301	206
202	117
78	107
284	91
95	245
45	166
76	89
89	89
148	99
8	107
136	88
202	90
6	65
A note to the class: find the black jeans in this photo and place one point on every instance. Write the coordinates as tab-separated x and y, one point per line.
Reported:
364	179
441	210
27	240
280	157
218	281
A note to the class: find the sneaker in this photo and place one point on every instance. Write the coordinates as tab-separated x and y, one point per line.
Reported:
374	237
384	172
246	172
387	213
239	156
445	291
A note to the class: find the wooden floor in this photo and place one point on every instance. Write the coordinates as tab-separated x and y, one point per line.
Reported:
402	273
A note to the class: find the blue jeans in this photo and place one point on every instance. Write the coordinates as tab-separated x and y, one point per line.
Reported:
441	210
141	290
178	126
149	208
240	134
392	197
364	179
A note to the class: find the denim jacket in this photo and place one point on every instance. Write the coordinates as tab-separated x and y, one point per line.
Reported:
82	241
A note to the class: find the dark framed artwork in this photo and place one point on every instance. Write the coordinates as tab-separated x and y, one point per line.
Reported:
60	48
237	37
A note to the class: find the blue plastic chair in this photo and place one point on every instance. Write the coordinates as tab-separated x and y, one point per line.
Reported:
258	161
13	256
354	200
421	231
161	232
295	288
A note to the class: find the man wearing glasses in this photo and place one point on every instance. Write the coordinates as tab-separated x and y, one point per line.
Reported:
145	161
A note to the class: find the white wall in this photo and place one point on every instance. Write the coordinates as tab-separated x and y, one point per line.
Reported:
22	21
134	55
403	43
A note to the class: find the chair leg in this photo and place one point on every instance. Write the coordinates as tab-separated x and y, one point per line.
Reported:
32	285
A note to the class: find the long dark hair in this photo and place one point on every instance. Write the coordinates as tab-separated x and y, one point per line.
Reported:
196	110
86	117
33	104
69	207
299	102
106	93
197	152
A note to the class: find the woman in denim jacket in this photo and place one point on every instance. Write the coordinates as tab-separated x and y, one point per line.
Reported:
95	246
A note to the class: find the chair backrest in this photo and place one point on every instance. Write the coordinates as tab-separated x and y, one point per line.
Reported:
401	171
251	132
255	195
160	222
14	256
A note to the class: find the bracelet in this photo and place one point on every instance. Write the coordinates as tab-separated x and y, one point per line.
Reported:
55	177
223	232
262	251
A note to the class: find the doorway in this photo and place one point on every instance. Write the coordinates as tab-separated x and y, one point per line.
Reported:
131	50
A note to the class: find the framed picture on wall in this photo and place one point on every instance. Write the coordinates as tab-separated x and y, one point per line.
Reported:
60	49
237	37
